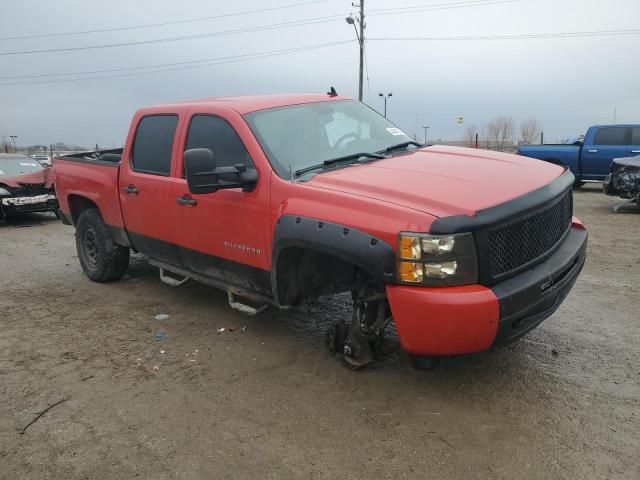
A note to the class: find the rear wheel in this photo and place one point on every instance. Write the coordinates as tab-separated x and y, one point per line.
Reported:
102	260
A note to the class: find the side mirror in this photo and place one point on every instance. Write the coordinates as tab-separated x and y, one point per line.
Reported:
200	170
203	176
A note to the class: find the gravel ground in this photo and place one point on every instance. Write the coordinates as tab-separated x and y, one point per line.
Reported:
268	402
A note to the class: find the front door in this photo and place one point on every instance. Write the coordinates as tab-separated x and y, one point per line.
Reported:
609	143
225	234
146	187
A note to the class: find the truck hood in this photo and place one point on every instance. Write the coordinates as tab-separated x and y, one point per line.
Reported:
42	177
442	180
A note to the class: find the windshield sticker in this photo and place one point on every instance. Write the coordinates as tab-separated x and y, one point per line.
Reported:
27	164
395	131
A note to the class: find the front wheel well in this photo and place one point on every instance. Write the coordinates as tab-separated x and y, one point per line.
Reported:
305	273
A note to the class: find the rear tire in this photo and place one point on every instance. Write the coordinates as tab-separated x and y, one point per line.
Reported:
102	259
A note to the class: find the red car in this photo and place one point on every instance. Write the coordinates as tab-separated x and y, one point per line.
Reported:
25	186
278	199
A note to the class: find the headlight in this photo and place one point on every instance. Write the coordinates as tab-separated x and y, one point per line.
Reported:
437	260
4	192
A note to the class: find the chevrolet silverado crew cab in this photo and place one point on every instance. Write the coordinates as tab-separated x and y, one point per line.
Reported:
590	159
280	199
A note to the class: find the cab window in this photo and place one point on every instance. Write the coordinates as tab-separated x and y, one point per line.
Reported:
153	144
214	133
611	136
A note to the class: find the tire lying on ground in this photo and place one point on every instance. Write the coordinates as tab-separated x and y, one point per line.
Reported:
100	257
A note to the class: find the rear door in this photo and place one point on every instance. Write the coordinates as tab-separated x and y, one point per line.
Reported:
146	185
608	143
224	235
634	144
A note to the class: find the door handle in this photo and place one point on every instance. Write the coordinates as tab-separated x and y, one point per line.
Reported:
635	151
186	201
131	189
593	150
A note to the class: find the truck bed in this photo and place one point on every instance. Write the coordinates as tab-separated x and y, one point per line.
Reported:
92	175
111	156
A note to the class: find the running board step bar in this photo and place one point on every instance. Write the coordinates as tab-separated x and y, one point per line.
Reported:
174	282
243	308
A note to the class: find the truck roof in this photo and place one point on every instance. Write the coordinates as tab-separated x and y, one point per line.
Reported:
252	103
627	125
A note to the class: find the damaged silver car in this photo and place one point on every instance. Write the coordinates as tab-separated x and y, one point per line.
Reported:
25	186
624	180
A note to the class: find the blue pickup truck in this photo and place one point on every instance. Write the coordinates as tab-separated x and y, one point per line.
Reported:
591	158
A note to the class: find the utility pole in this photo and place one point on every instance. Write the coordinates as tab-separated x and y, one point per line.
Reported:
386	97
426	127
361	49
13	137
360	35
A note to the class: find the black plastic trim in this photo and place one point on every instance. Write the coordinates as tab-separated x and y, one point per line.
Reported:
119	236
369	253
531	297
504	212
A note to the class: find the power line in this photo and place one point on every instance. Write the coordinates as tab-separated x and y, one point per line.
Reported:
437	6
173	64
596	33
293	23
162	24
182	66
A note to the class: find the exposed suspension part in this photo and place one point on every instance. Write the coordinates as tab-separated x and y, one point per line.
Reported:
362	338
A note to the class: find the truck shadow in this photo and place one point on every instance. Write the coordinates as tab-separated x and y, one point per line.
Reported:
28	220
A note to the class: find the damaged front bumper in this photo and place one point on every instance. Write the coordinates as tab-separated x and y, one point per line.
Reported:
36	203
624	178
467	319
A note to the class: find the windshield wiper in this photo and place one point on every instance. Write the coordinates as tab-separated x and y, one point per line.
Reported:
333	161
400	146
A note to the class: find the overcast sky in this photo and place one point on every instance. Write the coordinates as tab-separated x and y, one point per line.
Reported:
566	84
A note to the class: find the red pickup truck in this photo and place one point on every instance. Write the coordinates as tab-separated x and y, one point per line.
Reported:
279	199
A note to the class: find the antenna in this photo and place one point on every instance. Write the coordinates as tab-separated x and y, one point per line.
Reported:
332	92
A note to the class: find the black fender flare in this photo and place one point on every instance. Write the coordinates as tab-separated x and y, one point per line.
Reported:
374	256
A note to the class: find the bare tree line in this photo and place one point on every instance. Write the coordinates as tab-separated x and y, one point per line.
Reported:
501	133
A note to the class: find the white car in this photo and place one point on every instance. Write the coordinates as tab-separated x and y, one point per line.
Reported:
43	159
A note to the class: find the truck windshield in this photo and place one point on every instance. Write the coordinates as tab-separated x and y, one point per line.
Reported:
298	137
18	165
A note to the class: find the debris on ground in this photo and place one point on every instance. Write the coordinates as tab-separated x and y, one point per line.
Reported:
21	430
86	378
244	329
161	316
554	351
160	335
163	352
156	368
220	330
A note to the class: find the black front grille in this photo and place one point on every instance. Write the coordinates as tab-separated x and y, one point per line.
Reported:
524	240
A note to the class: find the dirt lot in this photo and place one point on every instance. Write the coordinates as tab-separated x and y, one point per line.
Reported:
269	402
